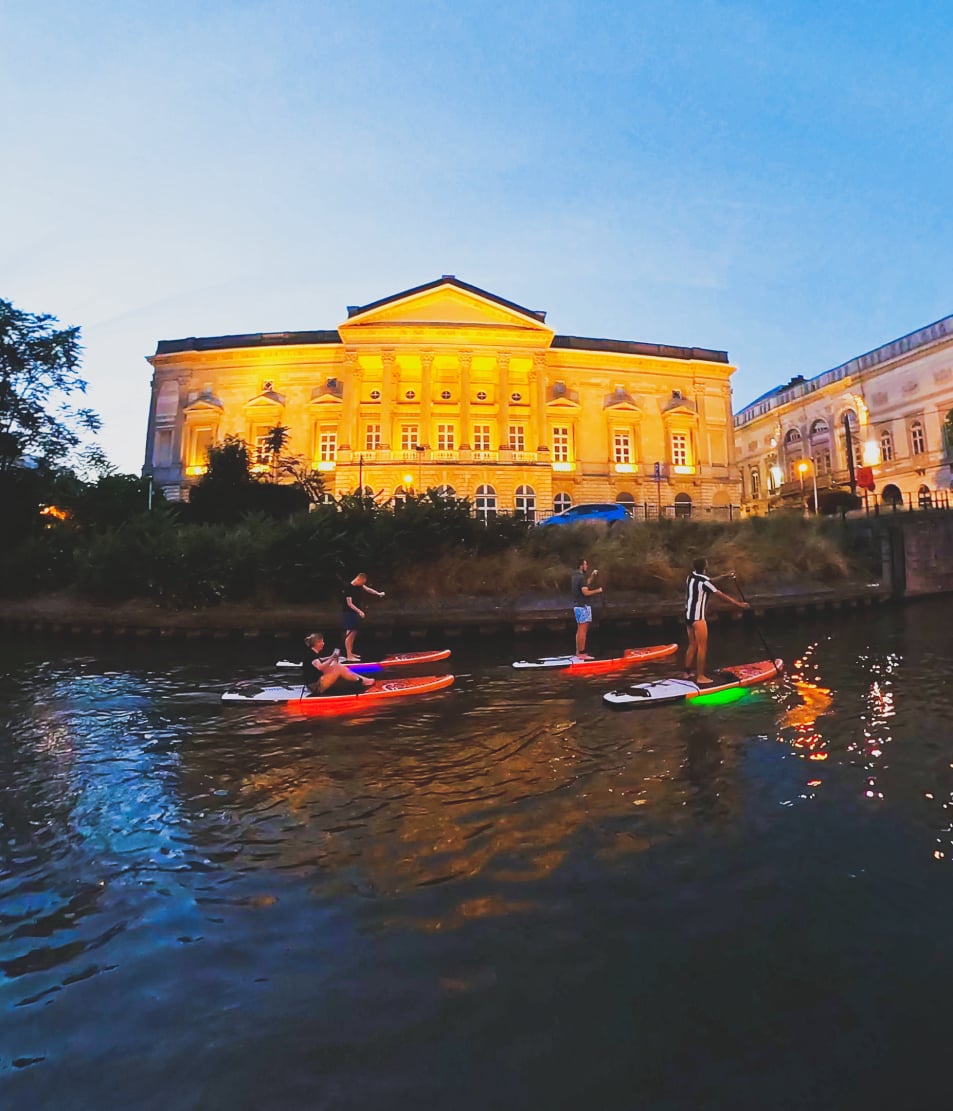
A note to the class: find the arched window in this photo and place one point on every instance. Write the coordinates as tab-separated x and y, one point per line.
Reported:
792	436
886	446
683	505
562	502
891	495
446	492
485	505
626	500
819	428
755	483
918	443
400	496
924	497
526	503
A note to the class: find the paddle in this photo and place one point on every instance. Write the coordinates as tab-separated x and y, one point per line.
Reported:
757	627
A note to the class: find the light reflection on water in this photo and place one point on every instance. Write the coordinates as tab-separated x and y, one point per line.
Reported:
492	874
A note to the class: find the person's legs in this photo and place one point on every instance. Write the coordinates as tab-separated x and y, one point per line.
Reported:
338	671
691	651
582	629
349	637
701	640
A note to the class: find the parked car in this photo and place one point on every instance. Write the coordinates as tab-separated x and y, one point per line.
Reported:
610	512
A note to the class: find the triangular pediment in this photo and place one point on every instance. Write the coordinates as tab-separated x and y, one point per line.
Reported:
445	305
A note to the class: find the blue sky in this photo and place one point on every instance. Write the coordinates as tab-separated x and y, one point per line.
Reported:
770	179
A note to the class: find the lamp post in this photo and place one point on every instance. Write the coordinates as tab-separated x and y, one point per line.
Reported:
801	468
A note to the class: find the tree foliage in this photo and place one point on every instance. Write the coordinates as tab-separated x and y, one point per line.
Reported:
39	374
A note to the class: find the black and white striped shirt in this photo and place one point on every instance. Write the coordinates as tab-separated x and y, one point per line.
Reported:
697	589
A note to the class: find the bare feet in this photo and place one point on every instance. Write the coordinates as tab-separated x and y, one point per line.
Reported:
367	681
704	681
584	656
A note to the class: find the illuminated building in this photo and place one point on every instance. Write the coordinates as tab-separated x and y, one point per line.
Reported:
890	405
447	386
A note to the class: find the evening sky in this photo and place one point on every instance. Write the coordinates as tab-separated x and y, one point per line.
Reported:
769	179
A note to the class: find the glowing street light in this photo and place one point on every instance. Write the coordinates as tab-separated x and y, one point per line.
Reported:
802	469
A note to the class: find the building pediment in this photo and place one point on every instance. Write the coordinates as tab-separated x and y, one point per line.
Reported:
204	403
330	393
621	399
680	406
448	310
266	402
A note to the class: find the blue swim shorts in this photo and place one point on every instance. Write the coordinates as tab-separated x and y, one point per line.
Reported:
583	614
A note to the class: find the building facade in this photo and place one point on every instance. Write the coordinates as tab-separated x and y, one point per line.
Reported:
878	419
447	386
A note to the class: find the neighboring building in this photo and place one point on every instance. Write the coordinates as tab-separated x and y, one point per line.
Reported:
449	386
890	403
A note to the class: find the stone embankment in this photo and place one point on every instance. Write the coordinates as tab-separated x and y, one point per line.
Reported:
61	616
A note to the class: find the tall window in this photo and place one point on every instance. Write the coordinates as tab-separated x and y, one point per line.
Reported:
918	443
372	437
445	437
755	483
485	503
822	462
481	437
525	503
162	452
561	502
202	440
886	445
409	436
261	452
679	449
560	443
327	445
621	446
517	437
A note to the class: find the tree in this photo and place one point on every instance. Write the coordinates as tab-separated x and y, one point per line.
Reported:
39	372
275	441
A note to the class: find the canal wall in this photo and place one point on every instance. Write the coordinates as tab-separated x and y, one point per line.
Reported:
916	551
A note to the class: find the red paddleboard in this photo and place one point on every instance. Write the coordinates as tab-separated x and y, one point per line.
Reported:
629	658
346	703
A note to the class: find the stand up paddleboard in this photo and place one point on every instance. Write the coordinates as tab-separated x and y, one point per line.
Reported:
677	690
293	698
629	658
398	659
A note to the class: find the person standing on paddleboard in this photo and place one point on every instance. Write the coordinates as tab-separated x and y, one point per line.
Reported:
582	590
698	588
353	615
320	673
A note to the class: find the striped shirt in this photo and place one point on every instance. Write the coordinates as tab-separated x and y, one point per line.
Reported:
697	589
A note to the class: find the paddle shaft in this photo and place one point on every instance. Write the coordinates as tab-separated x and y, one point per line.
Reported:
757	627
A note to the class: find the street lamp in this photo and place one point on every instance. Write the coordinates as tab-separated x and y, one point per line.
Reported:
802	468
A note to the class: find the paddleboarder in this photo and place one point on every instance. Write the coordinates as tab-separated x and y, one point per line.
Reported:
320	673
582	590
698	589
353	615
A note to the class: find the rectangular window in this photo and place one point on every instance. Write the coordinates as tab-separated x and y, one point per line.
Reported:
621	447
560	444
202	440
261	453
445	437
162	452
755	483
481	437
679	449
918	443
517	437
409	436
327	445
372	437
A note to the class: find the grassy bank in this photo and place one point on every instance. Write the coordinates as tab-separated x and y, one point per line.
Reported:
429	549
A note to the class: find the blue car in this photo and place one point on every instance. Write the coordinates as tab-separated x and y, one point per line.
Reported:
610	512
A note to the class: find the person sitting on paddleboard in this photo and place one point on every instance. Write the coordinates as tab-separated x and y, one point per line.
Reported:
698	588
320	673
353	615
582	589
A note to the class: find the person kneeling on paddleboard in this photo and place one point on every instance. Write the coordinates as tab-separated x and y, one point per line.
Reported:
698	588
320	673
582	590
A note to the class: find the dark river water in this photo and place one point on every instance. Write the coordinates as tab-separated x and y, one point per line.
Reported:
505	895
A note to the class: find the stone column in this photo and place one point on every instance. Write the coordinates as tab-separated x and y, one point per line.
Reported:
351	386
466	361
426	397
388	397
539	375
503	406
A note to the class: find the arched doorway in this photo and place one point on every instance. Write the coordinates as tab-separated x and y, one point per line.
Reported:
891	495
525	503
924	498
683	505
485	504
628	501
562	502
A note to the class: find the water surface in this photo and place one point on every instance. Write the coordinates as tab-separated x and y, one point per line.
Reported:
504	895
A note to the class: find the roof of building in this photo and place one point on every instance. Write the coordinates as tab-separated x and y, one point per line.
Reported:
446	279
633	347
